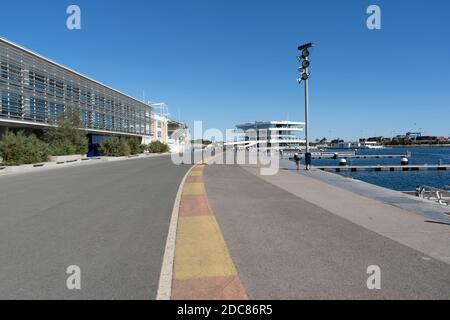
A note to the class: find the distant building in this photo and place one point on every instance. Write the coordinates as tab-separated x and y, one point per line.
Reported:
413	135
178	135
346	145
269	135
160	128
371	143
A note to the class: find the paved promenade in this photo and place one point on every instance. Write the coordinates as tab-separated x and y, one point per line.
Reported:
295	237
428	209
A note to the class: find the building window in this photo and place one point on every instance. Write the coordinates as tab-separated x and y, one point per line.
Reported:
11	73
51	88
59	89
11	104
40	110
36	109
56	111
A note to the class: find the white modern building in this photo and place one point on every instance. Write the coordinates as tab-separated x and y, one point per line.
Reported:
269	136
165	130
178	135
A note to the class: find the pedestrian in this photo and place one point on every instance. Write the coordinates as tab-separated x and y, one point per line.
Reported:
297	161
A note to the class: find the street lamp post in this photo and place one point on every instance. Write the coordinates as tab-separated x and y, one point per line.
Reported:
304	71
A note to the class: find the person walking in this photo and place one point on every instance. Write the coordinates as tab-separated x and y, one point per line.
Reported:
297	161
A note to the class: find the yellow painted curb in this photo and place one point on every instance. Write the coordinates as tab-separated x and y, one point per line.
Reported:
201	250
197	173
203	268
194	188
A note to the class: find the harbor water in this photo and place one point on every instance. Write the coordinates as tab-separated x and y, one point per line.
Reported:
398	180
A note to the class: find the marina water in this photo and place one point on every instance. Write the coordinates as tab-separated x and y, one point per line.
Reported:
398	180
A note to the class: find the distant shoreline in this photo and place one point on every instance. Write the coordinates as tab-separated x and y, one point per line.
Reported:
408	146
418	146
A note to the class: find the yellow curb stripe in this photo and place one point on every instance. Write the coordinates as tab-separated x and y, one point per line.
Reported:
196	173
203	267
194	188
201	250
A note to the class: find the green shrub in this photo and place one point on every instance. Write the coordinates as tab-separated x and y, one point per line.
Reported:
115	147
66	138
63	147
158	147
17	149
142	148
135	145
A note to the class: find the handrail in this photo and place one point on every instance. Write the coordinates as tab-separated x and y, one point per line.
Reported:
433	193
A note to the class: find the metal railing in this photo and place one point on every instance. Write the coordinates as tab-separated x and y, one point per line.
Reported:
439	195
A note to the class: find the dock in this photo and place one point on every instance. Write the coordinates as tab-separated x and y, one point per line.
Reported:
365	156
383	168
354	155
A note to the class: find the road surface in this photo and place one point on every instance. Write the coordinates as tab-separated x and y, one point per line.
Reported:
110	219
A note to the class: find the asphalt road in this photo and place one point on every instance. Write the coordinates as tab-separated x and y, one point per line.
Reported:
110	219
287	248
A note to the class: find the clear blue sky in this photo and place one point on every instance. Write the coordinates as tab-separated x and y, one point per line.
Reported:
232	61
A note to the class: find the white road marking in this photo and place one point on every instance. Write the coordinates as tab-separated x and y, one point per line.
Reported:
165	278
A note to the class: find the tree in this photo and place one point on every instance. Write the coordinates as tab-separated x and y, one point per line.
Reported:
115	147
338	140
66	137
135	145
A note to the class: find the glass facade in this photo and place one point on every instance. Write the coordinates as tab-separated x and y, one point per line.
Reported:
36	90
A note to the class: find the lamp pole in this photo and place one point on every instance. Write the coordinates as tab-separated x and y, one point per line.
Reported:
307	114
304	70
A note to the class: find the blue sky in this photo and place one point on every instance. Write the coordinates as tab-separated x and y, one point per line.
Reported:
229	61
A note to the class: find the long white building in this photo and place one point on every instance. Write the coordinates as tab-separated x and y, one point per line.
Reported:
270	135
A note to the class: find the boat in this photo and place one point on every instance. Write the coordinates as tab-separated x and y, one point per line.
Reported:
371	145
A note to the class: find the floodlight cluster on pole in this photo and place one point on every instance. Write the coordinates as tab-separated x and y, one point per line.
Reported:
303	59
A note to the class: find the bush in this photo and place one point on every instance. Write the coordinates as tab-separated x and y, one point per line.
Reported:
158	147
17	149
135	145
66	138
63	147
115	147
142	148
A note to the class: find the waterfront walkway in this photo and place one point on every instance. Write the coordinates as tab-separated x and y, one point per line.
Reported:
432	211
293	236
